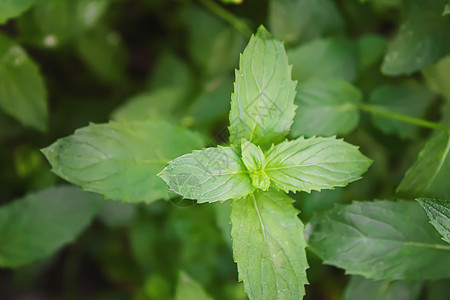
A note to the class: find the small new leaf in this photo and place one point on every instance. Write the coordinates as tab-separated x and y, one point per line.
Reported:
269	246
314	164
208	175
438	211
253	158
262	105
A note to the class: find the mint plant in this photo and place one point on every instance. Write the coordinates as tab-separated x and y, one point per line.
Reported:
258	168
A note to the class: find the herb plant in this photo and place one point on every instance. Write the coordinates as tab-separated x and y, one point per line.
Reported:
188	195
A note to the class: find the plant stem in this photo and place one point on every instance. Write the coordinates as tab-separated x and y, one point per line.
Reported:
237	23
388	114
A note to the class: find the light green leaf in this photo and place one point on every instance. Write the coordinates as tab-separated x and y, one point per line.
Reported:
13	8
253	158
380	240
332	58
429	175
361	288
314	164
291	21
188	289
370	49
409	100
22	90
157	105
121	159
437	77
103	51
326	107
438	211
269	246
421	40
208	175
37	225
262	105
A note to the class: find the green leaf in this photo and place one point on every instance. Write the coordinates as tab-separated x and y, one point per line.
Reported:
37	225
361	288
380	240
268	246
188	289
428	176
437	77
103	51
409	100
121	159
13	8
291	21
262	105
326	107
208	175
332	58
253	158
438	211
157	105
22	90
314	164
371	49
421	40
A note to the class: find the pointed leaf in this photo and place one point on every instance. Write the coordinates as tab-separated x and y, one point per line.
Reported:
121	159
438	211
269	246
262	105
22	90
188	289
314	164
380	240
37	225
326	107
429	175
253	158
208	175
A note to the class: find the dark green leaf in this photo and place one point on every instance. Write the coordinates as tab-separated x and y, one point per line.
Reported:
438	211
13	8
22	90
380	240
37	225
326	107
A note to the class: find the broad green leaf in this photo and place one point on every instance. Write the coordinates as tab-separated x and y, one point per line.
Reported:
361	288
332	58
22	89
429	175
409	100
314	164
157	105
302	20
253	158
269	246
188	289
103	51
37	225
370	49
438	211
208	175
262	105
437	77
421	40
326	107
380	240
121	159
13	8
